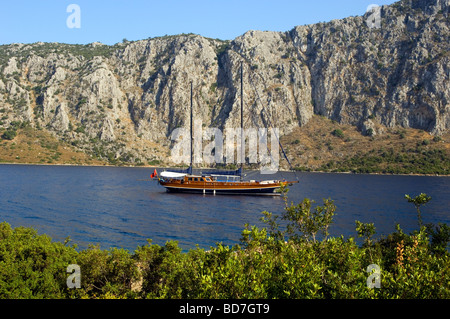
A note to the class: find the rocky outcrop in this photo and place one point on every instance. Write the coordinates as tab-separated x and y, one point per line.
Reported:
123	101
398	73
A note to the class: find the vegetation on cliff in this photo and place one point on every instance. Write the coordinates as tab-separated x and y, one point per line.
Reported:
119	104
321	145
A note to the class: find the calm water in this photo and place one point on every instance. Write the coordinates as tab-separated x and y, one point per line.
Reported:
115	207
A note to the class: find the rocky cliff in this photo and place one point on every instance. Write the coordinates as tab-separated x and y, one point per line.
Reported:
123	101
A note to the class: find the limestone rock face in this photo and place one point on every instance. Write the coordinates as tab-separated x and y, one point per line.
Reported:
124	101
397	73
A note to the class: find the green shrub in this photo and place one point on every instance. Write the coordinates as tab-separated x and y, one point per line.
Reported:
9	134
338	133
283	260
31	266
107	272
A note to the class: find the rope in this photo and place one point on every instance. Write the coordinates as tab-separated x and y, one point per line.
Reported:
264	110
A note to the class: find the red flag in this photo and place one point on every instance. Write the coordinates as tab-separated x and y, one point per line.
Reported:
154	174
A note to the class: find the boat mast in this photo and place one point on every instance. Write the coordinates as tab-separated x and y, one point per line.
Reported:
192	139
242	124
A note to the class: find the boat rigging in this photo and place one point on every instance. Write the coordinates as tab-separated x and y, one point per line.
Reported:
219	182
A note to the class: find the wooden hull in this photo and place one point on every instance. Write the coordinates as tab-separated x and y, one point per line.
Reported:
224	191
232	188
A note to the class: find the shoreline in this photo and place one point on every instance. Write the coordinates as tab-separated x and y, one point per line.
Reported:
153	166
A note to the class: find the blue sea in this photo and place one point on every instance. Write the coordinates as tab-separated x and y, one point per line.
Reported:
120	206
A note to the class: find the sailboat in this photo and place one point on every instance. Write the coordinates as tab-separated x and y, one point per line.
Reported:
219	182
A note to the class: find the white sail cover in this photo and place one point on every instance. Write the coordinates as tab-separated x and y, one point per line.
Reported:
172	175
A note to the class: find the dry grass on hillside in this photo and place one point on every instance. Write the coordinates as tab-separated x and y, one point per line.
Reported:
32	146
314	145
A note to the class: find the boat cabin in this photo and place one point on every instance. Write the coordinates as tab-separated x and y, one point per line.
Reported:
198	179
225	178
183	177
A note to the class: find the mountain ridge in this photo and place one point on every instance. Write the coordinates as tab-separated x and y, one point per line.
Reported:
121	102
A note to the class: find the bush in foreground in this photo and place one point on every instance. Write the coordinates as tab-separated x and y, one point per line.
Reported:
272	262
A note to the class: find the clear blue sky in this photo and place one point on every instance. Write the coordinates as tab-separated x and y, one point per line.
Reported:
110	21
